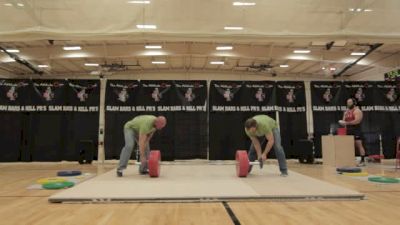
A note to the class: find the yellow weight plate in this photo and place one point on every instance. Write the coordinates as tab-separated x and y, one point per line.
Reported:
50	180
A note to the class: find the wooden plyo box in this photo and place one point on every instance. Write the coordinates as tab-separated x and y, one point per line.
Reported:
338	150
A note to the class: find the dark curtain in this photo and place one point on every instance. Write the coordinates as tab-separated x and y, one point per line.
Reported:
291	103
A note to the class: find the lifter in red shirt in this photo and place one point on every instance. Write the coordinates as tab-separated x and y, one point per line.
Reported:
352	120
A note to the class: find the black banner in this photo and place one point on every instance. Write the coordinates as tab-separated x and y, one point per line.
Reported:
14	94
122	104
121	94
362	92
191	95
379	102
291	101
48	96
183	103
190	126
53	117
326	96
155	96
387	115
238	96
328	103
387	97
83	124
259	96
84	95
291	96
231	104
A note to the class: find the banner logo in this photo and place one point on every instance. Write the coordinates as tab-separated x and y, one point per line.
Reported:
327	96
123	95
189	95
12	94
82	92
228	95
391	95
260	95
359	95
156	95
48	94
290	96
82	95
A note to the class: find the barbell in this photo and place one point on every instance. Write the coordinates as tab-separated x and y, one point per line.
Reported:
153	163
243	163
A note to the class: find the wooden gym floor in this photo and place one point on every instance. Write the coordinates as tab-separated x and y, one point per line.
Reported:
21	206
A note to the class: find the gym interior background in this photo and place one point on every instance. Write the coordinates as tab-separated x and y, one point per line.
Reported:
73	72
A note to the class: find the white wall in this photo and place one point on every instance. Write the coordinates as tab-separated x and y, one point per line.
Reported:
374	74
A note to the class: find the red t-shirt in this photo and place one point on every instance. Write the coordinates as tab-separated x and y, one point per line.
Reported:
349	115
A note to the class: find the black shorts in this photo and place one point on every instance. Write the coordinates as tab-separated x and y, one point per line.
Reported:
355	131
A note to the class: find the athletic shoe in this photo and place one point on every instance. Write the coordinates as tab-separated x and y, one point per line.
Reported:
144	172
361	164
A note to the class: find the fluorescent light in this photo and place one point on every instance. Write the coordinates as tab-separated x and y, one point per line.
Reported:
284	66
233	28
153	53
360	10
243	3
323	68
158	62
43	66
8	4
146	26
332	69
358	53
76	55
91	64
20	4
11	50
153	46
217	63
299	57
304	51
222	48
72	48
139	2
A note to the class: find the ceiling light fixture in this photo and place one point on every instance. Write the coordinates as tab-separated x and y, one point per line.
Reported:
233	28
153	46
223	48
146	26
139	2
358	53
91	64
158	62
303	51
244	3
72	48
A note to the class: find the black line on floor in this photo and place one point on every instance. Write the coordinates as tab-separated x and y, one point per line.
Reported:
231	213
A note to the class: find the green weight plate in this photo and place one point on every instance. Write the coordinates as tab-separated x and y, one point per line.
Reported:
58	185
384	180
